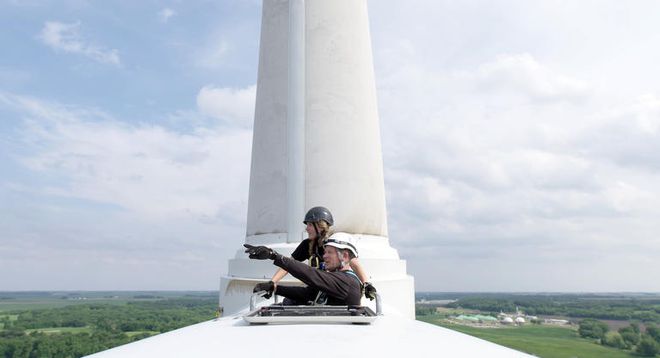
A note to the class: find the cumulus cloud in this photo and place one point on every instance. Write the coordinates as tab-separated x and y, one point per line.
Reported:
165	14
122	195
523	74
66	37
146	169
520	147
230	105
625	134
512	158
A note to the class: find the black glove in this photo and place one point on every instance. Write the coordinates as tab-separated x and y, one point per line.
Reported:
260	252
369	291
269	287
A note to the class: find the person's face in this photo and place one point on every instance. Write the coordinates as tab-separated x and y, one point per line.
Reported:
330	258
311	233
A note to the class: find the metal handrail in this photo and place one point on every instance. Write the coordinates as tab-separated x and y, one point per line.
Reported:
379	305
253	299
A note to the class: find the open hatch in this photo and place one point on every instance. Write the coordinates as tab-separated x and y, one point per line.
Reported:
324	314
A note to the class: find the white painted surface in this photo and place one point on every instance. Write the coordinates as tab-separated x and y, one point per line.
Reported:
267	204
344	161
341	150
387	337
296	121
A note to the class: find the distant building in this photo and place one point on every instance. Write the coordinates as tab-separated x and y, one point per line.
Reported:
477	318
517	318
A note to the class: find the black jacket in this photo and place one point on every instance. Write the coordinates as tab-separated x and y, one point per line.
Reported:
301	253
341	287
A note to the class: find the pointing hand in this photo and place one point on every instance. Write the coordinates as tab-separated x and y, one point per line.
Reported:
260	252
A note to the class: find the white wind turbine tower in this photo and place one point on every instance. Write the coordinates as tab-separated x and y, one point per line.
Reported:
316	142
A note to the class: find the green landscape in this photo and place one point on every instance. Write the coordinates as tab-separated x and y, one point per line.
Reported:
74	324
552	325
551	342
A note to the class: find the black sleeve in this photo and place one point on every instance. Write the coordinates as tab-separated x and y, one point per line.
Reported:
336	284
301	295
301	253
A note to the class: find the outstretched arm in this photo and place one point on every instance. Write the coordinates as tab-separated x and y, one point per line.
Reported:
335	284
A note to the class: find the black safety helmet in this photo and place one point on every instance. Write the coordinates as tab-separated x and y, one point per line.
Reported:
317	214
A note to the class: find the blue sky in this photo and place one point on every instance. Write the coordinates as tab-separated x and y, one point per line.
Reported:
520	142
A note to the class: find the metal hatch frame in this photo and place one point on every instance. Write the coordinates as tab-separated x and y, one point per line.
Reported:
325	314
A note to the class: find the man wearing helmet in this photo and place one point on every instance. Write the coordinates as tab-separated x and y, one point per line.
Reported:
318	221
336	285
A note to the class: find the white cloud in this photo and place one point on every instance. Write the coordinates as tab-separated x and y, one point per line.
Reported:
520	141
67	38
513	159
624	134
146	169
119	194
165	14
523	74
234	106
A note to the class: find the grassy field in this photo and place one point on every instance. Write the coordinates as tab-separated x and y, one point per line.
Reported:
60	330
18	301
34	304
541	341
135	333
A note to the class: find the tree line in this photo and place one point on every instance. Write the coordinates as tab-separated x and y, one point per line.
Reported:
106	326
646	343
645	310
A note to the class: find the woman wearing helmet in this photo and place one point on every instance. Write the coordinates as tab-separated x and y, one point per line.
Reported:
318	221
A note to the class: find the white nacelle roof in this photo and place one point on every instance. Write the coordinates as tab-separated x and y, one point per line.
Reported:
388	336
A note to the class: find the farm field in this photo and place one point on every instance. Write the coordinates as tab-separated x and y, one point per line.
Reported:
43	303
16	301
541	341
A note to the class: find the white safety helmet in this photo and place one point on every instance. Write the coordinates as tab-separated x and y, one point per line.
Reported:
342	241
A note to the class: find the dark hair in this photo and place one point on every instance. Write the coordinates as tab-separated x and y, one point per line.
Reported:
323	233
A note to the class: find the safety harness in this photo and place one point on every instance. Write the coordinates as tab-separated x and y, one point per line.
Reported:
322	297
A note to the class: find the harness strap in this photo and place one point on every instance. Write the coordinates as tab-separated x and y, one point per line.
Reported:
314	261
354	275
322	297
